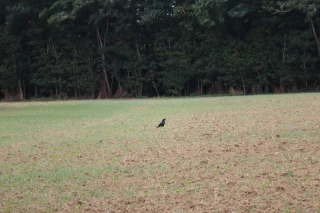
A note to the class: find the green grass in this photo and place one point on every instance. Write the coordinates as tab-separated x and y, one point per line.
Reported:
214	154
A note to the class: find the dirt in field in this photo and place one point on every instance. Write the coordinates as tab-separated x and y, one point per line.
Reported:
263	176
262	160
227	167
258	161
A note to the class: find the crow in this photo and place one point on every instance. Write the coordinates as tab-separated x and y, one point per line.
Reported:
162	123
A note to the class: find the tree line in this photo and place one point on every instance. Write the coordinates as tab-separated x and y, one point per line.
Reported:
124	48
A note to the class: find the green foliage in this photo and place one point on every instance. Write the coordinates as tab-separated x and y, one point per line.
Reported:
98	48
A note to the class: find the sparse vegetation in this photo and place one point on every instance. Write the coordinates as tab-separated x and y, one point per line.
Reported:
221	154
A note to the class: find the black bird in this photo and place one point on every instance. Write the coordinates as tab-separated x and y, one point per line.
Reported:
162	123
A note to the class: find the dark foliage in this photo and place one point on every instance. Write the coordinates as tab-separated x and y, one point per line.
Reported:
100	48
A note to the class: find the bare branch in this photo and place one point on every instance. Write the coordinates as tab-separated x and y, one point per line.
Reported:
183	10
281	11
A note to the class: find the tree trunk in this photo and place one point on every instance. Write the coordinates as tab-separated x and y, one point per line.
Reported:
155	87
164	46
138	73
266	88
137	46
305	69
20	90
281	88
188	88
19	81
200	87
102	93
140	85
115	74
138	82
91	74
243	87
36	91
57	93
106	78
315	36
284	48
102	45
6	94
75	73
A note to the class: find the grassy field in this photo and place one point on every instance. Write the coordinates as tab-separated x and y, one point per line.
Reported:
215	154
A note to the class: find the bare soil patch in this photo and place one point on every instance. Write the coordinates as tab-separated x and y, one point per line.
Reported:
249	155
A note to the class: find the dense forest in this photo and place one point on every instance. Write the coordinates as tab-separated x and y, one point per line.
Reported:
125	48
